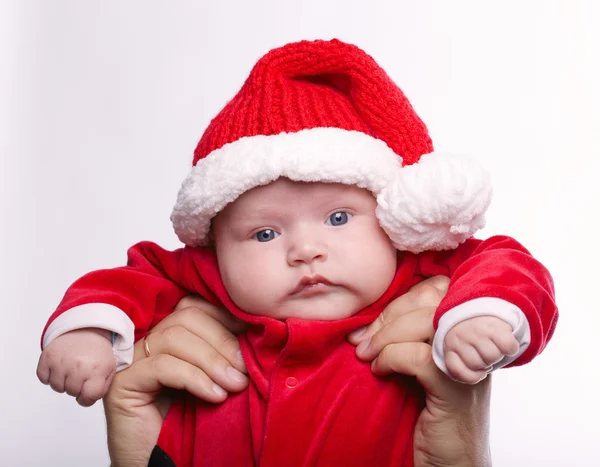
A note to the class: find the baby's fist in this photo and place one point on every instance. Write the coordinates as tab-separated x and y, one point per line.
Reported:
473	346
80	363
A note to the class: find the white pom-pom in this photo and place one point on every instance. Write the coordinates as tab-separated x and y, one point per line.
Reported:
435	204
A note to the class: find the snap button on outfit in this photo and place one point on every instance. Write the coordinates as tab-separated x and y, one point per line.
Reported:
291	382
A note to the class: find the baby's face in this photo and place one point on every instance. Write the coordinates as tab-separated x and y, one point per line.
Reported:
303	250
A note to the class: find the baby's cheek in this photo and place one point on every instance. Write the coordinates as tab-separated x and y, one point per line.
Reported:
252	289
242	290
375	272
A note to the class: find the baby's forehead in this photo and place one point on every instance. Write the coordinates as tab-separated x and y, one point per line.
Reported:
287	193
284	189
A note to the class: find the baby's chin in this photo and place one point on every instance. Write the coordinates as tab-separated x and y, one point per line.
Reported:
315	310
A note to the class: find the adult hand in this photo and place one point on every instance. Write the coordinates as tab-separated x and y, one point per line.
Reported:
194	349
451	431
453	428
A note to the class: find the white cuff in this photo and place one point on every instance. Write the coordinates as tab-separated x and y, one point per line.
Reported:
102	316
484	306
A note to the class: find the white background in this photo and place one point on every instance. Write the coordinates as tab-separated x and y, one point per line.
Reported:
102	103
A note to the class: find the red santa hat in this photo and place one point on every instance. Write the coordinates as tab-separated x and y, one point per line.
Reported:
324	111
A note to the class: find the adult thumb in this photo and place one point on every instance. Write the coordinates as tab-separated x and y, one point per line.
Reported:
415	359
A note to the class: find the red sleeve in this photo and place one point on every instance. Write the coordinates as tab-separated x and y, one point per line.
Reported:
499	267
146	290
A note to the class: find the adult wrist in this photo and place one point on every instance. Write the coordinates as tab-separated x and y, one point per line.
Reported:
474	455
456	438
129	444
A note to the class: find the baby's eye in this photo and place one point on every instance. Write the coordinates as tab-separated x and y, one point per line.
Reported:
266	235
338	218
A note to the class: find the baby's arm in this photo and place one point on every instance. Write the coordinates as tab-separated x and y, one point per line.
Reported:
80	363
78	355
499	310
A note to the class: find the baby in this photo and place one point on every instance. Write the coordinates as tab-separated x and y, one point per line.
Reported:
314	201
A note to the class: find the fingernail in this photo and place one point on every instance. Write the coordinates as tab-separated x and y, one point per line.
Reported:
362	347
359	332
240	359
219	390
235	375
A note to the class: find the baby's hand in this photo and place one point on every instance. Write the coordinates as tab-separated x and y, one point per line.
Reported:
473	346
80	363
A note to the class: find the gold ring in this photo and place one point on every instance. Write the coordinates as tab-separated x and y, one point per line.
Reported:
146	346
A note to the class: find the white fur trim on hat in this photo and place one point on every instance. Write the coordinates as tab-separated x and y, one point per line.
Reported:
312	155
435	204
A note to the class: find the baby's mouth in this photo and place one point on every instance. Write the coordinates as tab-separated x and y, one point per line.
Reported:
310	285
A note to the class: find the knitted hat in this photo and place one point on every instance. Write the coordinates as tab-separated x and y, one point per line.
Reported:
324	111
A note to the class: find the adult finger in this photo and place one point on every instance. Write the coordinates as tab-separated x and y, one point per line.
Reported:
179	342
412	359
415	326
407	358
443	394
145	378
428	293
222	315
441	283
208	327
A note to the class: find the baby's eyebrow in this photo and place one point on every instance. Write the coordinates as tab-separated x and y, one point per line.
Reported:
261	213
255	219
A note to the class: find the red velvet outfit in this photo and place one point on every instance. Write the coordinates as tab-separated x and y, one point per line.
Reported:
310	401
